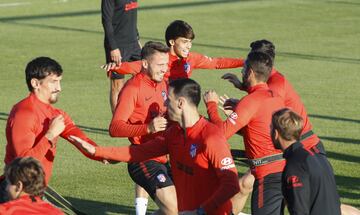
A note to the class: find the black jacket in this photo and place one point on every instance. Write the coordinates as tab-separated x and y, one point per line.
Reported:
119	19
308	183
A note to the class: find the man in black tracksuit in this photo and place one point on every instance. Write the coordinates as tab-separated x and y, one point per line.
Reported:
308	180
119	20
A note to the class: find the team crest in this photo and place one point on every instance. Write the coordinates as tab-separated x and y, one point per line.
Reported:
193	148
161	178
233	117
187	67
163	94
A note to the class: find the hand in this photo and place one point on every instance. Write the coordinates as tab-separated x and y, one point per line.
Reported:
228	104
234	80
56	127
85	146
109	66
116	56
157	124
211	96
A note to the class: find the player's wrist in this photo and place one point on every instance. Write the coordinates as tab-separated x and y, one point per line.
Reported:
50	136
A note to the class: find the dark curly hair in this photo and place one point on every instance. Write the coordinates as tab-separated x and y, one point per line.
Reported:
29	171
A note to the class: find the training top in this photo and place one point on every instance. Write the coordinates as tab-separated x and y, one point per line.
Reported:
140	101
26	127
204	173
252	116
183	67
280	85
28	205
119	20
309	185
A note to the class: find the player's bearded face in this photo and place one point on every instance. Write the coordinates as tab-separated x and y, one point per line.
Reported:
174	113
182	47
49	88
157	66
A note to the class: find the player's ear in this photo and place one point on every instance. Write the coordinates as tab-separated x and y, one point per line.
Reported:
145	64
181	102
35	83
172	42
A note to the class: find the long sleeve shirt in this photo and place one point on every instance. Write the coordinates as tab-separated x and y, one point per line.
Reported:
27	205
309	185
203	170
252	116
26	127
140	101
278	83
183	67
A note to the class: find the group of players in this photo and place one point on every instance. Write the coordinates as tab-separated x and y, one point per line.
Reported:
158	111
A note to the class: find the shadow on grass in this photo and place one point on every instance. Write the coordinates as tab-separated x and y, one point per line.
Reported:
283	54
100	208
96	12
334	118
343	157
341	139
16	19
350	184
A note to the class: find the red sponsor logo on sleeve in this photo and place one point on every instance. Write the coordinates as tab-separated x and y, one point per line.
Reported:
293	181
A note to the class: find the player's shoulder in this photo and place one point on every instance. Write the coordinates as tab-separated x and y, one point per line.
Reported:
135	82
211	131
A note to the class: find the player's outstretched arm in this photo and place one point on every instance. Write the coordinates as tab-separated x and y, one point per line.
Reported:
151	149
85	146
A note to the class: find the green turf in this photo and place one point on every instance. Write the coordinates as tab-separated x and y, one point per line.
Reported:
317	49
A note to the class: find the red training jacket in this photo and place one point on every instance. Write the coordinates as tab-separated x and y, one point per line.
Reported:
252	116
26	127
140	101
278	83
203	169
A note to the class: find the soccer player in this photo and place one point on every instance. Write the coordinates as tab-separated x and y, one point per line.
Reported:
309	185
121	42
179	36
280	85
26	185
34	124
139	116
252	117
204	173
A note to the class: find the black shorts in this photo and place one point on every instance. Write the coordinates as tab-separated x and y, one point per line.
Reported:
129	53
151	175
267	198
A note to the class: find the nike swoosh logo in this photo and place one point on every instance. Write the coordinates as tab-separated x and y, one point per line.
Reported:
147	99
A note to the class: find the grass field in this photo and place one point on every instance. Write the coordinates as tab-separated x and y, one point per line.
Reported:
318	49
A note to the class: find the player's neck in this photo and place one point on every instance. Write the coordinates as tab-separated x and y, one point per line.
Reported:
189	118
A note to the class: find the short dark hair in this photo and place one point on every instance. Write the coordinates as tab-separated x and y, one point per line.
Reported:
187	88
40	68
288	124
261	64
151	47
263	46
29	171
178	28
